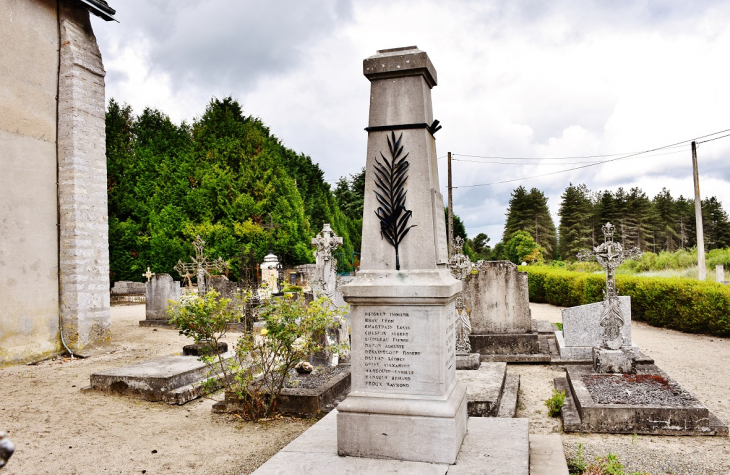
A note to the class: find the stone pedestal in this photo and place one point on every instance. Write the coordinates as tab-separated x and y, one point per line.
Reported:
406	402
269	273
158	291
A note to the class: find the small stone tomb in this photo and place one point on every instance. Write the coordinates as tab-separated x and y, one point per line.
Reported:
158	291
226	288
172	379
646	402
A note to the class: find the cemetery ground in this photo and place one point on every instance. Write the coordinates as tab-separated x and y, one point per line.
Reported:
59	429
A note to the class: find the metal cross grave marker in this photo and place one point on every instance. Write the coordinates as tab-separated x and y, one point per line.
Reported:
610	255
148	274
200	266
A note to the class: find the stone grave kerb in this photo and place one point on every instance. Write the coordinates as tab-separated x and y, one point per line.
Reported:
406	402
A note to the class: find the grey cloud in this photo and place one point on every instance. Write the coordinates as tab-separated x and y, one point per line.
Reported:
228	45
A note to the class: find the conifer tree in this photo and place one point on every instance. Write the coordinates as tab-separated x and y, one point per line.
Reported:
575	209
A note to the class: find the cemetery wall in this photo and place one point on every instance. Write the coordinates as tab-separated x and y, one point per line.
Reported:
40	138
686	305
28	214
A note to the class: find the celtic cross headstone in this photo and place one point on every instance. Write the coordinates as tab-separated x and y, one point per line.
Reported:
610	255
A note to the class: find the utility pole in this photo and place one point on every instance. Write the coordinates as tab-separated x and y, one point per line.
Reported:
451	212
698	216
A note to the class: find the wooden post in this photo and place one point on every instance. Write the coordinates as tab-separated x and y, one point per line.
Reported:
698	216
451	211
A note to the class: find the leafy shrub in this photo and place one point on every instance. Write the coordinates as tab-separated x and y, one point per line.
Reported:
555	403
680	304
257	372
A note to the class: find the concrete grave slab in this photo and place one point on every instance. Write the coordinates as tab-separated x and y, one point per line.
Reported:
682	414
171	379
484	388
494	446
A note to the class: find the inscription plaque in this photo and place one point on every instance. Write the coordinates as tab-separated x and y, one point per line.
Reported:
402	351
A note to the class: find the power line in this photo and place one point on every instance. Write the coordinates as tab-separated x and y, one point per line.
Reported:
715	138
601	162
560	163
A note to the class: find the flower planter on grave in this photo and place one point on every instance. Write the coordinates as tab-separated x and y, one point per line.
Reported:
298	400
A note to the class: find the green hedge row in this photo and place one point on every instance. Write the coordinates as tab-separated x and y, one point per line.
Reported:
680	304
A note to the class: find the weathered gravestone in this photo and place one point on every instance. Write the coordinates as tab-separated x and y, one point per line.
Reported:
406	402
496	297
158	291
605	326
325	282
720	273
582	330
226	288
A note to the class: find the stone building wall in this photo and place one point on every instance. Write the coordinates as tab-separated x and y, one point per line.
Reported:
30	31
84	242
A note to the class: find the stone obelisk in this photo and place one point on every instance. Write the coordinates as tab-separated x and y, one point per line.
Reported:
406	402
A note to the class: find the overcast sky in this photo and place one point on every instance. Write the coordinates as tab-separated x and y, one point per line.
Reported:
516	79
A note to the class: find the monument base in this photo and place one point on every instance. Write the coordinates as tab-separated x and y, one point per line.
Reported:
403	427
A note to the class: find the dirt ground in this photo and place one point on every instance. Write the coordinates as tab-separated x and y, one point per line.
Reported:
58	429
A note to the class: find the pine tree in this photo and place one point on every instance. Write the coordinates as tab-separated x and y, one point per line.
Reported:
575	209
529	212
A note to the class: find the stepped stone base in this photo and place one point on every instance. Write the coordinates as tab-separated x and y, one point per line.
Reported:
492	445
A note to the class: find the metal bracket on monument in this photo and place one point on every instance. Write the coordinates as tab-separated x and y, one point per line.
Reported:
433	128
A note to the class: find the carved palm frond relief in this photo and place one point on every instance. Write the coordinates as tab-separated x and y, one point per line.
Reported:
390	180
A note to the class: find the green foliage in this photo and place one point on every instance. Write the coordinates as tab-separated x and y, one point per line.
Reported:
256	373
660	224
220	177
292	333
608	465
577	464
480	245
555	403
521	247
529	212
687	305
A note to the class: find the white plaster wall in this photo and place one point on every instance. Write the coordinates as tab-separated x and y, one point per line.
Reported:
28	216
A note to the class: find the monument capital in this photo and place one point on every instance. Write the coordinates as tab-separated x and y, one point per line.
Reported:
400	62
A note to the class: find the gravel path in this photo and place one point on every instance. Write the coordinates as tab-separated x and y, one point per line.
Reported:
697	362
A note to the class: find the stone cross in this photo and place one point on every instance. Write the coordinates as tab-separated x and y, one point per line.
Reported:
148	274
460	264
326	265
270	226
610	255
200	265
